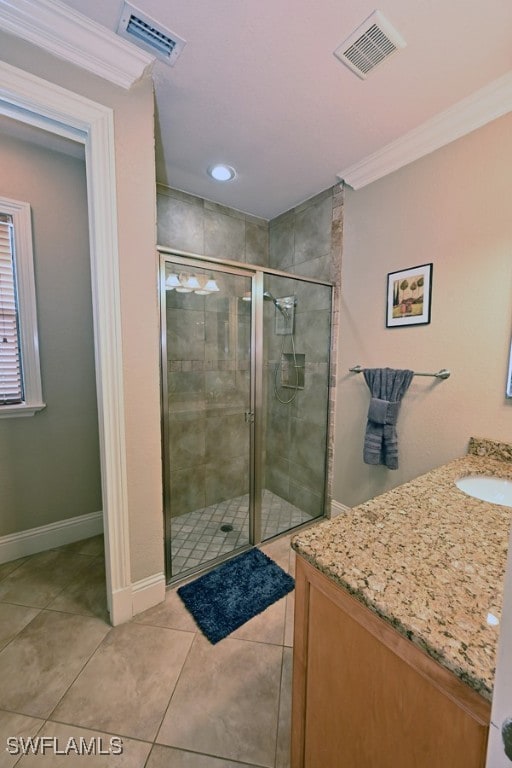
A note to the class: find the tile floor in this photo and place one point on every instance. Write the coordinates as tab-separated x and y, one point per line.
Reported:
197	536
156	683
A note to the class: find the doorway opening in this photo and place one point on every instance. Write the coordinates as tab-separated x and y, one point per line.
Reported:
39	103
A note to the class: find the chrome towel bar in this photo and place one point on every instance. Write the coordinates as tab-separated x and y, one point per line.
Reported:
442	374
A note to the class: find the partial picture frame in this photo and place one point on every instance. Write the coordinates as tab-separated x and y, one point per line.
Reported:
409	296
508	390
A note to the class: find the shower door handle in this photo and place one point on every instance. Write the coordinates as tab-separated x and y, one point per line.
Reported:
249	417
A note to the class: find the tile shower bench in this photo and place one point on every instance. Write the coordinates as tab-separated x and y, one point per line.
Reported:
395	631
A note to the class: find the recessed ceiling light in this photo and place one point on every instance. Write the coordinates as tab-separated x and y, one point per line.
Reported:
221	172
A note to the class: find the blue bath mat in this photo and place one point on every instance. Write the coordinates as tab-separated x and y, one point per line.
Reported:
227	597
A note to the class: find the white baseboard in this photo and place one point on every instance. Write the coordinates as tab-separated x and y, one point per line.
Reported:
45	537
121	606
126	602
337	508
137	598
148	592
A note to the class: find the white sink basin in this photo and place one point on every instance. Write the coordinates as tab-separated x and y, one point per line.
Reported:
493	489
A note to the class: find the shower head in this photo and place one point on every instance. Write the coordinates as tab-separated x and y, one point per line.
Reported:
269	297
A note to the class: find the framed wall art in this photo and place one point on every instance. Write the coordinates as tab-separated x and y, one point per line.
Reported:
409	296
508	390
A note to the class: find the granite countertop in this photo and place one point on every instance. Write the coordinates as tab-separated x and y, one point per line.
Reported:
429	559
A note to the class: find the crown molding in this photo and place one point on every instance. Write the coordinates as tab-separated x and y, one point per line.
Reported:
483	106
69	35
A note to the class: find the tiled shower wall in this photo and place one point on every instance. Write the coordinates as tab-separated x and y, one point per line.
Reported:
208	376
189	223
305	241
296	431
300	239
208	343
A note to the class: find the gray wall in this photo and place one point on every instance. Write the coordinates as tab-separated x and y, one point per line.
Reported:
49	463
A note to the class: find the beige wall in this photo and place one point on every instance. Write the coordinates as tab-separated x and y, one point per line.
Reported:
49	464
136	183
451	208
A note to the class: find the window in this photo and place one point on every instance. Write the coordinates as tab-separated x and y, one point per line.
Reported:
20	377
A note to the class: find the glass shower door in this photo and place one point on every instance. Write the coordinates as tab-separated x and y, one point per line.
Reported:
296	348
206	350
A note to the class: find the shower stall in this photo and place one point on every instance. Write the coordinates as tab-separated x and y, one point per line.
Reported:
245	395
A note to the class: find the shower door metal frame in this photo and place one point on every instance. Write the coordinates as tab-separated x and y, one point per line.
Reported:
173	257
257	274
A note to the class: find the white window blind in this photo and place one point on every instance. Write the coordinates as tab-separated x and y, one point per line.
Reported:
11	379
20	368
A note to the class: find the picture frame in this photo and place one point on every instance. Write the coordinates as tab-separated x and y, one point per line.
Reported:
409	296
508	389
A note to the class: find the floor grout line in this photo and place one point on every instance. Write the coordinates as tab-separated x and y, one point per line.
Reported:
174	688
52	719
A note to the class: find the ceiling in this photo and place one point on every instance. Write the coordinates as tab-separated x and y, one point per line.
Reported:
258	87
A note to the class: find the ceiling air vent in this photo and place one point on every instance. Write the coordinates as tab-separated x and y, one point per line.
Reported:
372	42
145	32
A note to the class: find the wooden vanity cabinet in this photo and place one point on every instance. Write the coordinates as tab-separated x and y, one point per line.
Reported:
366	697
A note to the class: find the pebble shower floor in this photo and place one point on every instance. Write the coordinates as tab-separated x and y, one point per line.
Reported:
197	536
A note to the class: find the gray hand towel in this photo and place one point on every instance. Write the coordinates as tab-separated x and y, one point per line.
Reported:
387	387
